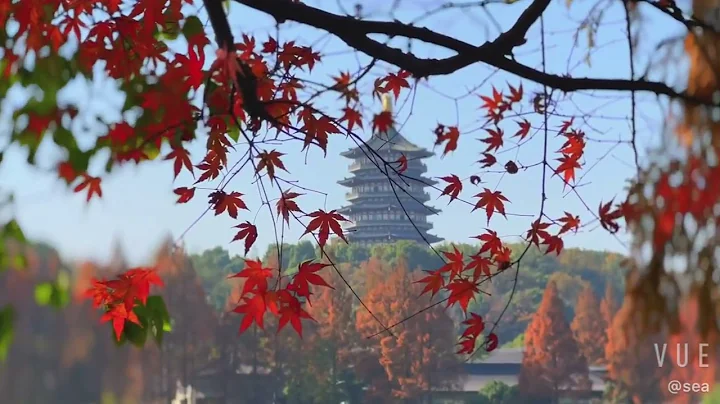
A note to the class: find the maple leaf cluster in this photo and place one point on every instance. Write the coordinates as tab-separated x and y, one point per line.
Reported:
571	152
286	302
119	297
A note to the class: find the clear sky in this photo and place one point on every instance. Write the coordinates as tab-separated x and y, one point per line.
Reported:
138	207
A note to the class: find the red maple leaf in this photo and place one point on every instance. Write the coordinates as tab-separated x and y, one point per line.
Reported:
461	291
567	167
494	102
491	201
495	141
182	158
286	204
185	194
455	262
480	266
491	242
92	184
569	222
67	172
554	243
307	275
318	129
433	282
451	136
396	81
516	94
453	188
488	160
257	276
566	125
249	232
269	160
325	221
608	218
253	310
402	163
537	231
291	311
475	326
524	129
467	345
382	122
352	117
118	314
221	202
491	342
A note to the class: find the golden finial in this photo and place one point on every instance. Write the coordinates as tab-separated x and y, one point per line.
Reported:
386	103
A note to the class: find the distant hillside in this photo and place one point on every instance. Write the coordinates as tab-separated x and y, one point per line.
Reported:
571	270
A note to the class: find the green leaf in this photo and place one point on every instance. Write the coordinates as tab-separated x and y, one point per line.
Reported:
159	318
53	294
192	27
7	320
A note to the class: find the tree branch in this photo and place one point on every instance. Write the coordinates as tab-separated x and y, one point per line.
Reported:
354	32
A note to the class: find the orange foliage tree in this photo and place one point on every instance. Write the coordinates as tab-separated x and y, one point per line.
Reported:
633	371
589	327
258	101
417	357
553	365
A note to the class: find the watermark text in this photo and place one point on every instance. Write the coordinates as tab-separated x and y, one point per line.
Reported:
677	387
682	354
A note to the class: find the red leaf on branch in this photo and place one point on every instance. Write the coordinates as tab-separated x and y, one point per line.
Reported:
461	292
488	160
454	187
118	314
567	167
352	117
554	243
249	232
67	172
291	311
403	164
516	94
257	277
286	204
467	346
524	129
221	202
253	310
433	282
491	201
491	242
186	194
269	160
182	158
324	222
92	184
307	275
382	122
475	326
608	218
455	262
495	141
569	222
491	342
537	231
480	266
395	82
451	136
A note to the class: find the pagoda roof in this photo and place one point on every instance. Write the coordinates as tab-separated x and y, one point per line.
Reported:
388	140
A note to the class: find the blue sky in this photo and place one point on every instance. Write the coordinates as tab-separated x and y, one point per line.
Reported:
138	207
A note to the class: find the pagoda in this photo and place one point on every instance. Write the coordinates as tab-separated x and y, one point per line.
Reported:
383	206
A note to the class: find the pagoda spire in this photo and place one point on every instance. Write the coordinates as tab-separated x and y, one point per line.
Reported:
387	103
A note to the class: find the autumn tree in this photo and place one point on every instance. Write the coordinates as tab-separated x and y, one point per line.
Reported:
692	358
417	357
608	306
589	327
553	365
633	371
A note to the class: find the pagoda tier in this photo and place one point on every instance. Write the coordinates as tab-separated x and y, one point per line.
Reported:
388	207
